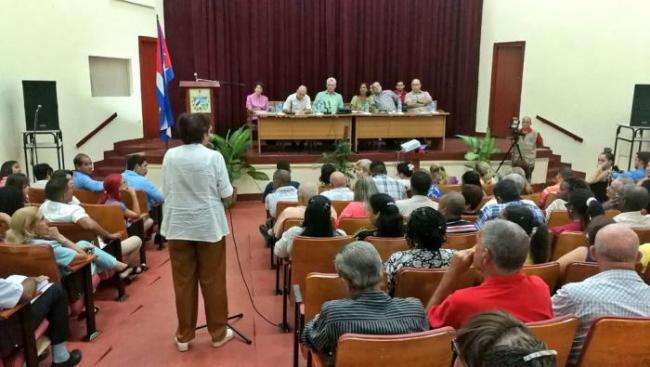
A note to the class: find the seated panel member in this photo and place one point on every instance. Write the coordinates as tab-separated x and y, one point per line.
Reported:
298	103
362	101
81	176
385	100
328	101
418	100
399	90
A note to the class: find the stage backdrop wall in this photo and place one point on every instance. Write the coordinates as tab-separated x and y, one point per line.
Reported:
285	43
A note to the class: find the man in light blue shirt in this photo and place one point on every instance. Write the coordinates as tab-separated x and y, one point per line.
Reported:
135	176
81	176
328	101
640	163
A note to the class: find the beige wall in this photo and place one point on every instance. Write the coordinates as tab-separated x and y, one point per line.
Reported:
582	60
51	40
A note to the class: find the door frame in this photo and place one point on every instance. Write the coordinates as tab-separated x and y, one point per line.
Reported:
143	40
520	44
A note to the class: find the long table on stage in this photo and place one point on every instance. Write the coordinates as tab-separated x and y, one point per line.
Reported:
273	126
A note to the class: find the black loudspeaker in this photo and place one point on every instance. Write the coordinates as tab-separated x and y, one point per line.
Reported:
41	106
641	106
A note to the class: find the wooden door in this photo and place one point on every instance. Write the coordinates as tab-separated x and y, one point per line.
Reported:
150	116
505	92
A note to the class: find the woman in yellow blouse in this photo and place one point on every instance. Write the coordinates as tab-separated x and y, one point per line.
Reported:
362	101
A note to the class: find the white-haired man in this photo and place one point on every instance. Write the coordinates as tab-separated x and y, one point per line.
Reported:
328	101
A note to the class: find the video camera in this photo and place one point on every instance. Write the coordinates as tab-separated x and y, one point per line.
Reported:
514	128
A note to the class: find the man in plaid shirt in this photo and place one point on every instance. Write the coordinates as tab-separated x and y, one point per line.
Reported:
385	184
507	194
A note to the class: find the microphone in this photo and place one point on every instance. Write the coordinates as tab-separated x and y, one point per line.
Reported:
38	108
196	76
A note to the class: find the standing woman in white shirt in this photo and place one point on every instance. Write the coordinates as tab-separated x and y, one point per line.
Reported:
195	183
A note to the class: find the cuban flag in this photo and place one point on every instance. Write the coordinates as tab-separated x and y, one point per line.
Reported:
164	74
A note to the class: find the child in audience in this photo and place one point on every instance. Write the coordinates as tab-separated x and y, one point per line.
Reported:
440	177
582	206
8	168
471	178
404	173
385	217
364	188
540	244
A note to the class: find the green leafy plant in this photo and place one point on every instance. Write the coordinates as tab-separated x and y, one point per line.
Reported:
480	149
233	147
340	157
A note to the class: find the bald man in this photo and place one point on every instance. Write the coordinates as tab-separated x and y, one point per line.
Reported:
298	103
328	101
339	191
616	291
417	100
283	191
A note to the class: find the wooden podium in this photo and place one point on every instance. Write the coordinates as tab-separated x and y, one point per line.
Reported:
201	97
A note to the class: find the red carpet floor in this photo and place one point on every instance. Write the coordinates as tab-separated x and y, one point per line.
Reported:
140	330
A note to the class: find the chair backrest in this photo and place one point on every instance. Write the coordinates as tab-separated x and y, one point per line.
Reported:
558	218
281	205
314	254
291	222
567	242
611	213
74	232
549	199
617	341
549	272
28	260
422	283
444	189
429	348
469	217
387	246
535	198
353	225
88	197
339	205
557	334
125	197
36	196
578	271
320	288
460	241
109	217
643	233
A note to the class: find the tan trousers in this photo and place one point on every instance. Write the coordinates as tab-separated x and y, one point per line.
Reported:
195	263
130	250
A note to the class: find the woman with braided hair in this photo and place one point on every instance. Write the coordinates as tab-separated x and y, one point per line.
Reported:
384	217
425	234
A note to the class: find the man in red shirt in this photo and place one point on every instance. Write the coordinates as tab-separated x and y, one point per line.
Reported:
500	253
399	91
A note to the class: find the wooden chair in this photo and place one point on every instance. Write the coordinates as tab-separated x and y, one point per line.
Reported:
288	223
617	341
281	205
88	197
422	283
460	241
535	198
549	199
549	272
579	271
611	213
558	218
567	242
387	246
643	233
36	196
429	348
339	205
353	225
75	232
445	189
557	334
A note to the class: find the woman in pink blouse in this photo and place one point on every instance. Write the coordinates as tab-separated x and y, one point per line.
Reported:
256	101
364	188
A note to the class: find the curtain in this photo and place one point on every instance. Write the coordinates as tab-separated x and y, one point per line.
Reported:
285	43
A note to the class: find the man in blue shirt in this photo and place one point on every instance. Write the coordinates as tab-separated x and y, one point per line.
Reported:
282	164
135	176
640	163
81	176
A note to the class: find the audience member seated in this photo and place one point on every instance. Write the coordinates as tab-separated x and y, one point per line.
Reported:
507	194
339	190
362	168
364	188
81	176
638	173
420	184
368	310
566	188
635	201
425	234
8	168
67	174
496	339
499	255
583	253
57	209
488	176
404	173
284	165
113	186
562	175
28	226
135	176
540	242
599	180
384	217
647	176
305	193
582	206
616	291
522	186
317	223
326	171
471	178
42	173
51	305
284	191
473	195
385	184
439	175
451	207
5	223
20	182
11	199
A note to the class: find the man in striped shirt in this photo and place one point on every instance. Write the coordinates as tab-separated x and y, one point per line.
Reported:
385	184
451	206
507	194
369	310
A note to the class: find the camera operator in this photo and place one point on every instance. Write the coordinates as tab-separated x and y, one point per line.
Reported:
529	141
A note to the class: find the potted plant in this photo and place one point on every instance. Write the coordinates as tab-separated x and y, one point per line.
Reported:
233	147
340	157
480	149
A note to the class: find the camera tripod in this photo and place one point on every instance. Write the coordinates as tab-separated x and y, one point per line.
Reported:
237	332
513	145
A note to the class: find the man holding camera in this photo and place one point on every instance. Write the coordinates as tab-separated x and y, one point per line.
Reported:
529	141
